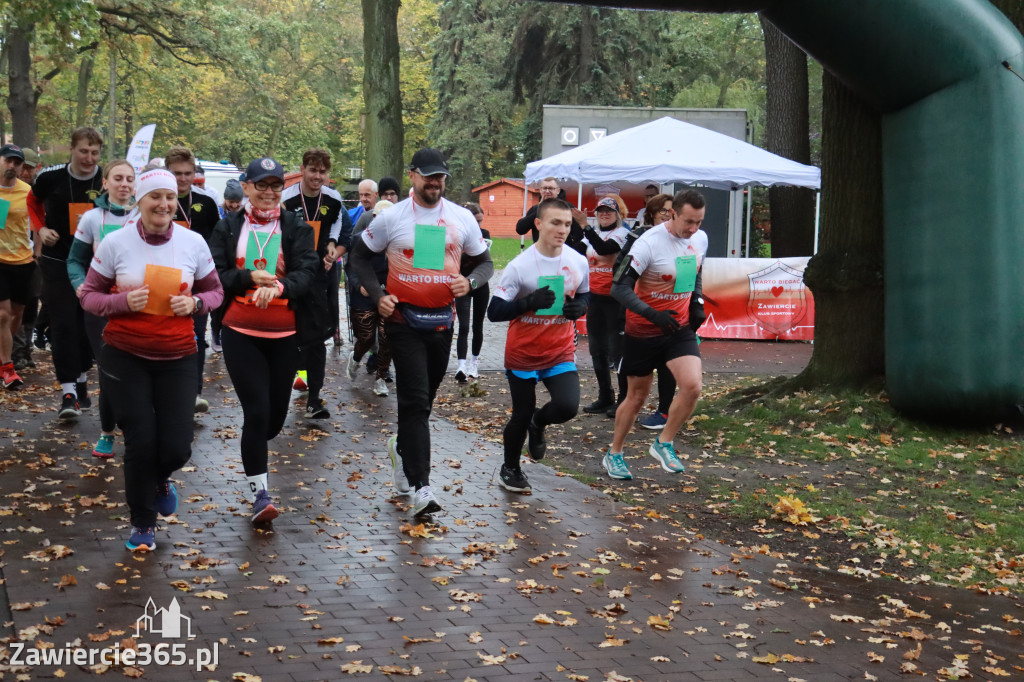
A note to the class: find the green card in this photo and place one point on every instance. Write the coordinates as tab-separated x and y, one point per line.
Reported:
5	208
686	274
108	229
268	260
428	248
557	284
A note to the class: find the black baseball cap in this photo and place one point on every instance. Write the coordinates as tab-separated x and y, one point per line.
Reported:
261	169
12	151
429	161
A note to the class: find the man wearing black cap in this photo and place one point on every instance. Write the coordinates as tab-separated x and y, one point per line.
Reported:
16	264
425	237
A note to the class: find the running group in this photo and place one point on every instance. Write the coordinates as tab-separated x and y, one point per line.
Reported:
134	267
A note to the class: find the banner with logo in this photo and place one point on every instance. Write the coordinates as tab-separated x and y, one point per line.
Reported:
142	144
757	298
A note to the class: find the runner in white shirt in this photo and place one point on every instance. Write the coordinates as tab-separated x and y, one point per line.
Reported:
424	237
541	337
658	290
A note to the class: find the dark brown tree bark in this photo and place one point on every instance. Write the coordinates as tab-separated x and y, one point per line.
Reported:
84	79
787	134
381	93
846	275
21	98
588	43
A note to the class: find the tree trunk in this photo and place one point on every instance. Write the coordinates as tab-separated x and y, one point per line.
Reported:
588	43
382	95
846	275
112	126
84	78
787	134
21	99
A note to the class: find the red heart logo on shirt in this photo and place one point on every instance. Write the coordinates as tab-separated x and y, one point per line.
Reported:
407	253
667	278
777	291
240	262
183	288
260	263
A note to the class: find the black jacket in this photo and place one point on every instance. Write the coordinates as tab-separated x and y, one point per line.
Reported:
573	241
300	261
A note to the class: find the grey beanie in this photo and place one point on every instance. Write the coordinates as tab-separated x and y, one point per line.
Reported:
233	191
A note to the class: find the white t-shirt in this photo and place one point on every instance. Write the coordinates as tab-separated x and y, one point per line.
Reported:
395	230
123	256
535	341
98	223
653	256
601	267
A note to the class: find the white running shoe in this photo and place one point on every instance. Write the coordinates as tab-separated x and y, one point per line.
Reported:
398	478
425	502
380	387
472	367
352	366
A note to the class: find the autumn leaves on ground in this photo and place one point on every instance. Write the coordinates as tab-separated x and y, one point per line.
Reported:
833	480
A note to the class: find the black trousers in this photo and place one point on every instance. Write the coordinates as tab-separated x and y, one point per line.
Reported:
199	325
421	360
262	371
153	401
313	359
477	301
71	352
564	390
94	330
602	332
369	328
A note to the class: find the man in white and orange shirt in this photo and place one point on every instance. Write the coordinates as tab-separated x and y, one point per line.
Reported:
425	237
541	343
658	290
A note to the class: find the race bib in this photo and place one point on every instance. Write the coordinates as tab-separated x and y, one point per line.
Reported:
75	212
428	247
557	284
5	208
265	260
108	229
315	224
163	283
686	274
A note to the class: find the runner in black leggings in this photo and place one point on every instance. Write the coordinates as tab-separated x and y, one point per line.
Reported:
540	344
472	304
266	261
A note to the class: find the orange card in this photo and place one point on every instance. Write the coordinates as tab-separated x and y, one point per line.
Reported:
75	211
163	282
315	224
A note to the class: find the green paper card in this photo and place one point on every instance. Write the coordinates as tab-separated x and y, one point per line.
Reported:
686	274
268	261
108	229
5	208
557	284
428	248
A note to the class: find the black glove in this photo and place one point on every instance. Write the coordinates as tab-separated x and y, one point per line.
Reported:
697	314
665	320
573	309
542	298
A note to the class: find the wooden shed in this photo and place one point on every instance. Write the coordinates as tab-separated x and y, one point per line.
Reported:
502	203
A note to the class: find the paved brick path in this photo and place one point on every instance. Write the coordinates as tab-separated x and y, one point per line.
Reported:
629	592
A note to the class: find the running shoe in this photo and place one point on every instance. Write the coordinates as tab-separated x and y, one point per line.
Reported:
69	408
315	409
142	539
166	498
536	444
655	421
380	387
425	502
665	453
398	478
9	376
600	405
300	383
352	366
263	509
388	377
611	411
39	339
472	367
461	377
84	401
371	363
104	447
615	465
202	404
514	479
216	347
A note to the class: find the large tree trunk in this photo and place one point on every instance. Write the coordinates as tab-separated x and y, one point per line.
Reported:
787	134
382	95
846	275
21	99
588	43
84	79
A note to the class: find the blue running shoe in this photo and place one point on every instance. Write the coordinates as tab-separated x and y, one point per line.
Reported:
142	540
166	498
104	446
615	465
665	453
262	508
655	421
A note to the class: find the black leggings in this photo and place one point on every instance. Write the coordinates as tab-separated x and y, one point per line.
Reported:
313	359
262	371
666	387
478	301
153	401
94	330
71	352
368	328
602	332
565	401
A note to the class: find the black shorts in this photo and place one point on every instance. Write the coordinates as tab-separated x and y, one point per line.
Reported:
16	282
641	355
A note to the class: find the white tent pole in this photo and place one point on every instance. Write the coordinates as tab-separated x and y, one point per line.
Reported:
817	219
579	197
750	201
731	225
526	195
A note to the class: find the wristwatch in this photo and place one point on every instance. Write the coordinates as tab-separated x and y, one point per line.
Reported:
199	305
472	284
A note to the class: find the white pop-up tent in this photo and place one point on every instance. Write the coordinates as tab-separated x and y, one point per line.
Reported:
668	150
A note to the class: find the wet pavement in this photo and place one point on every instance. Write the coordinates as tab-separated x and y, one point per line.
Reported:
563	584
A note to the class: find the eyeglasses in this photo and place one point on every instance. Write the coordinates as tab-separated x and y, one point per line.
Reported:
665	211
276	188
552	190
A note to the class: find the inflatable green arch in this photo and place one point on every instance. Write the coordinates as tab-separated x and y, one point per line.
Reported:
953	173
